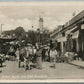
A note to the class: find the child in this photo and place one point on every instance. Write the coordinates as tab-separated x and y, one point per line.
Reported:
53	54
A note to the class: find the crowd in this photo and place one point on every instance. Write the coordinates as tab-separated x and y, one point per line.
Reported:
28	54
25	55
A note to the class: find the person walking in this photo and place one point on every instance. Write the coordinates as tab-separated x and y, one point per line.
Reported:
34	54
39	58
53	54
22	54
43	55
17	54
46	55
27	60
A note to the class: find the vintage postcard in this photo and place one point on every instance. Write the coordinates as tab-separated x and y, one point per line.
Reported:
42	40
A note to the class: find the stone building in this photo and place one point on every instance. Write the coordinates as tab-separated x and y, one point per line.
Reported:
72	35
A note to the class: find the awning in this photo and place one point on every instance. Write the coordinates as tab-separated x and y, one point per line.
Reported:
63	39
7	39
75	35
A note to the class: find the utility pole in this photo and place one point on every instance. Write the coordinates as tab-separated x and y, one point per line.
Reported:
32	41
1	29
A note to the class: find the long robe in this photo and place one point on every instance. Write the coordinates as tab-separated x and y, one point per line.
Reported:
39	59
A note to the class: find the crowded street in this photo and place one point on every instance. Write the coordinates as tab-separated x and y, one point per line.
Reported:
41	41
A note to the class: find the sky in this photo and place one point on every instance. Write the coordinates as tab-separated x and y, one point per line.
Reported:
26	14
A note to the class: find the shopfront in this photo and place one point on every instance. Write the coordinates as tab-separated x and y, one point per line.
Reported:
62	44
4	44
75	44
81	41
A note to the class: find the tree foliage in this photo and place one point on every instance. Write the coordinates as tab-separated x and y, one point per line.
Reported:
38	37
19	31
33	36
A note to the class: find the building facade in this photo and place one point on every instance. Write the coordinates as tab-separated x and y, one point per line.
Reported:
71	36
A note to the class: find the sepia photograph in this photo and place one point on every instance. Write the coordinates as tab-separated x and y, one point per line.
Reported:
41	40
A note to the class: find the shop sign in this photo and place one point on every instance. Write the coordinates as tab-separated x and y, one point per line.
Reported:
75	34
82	26
63	39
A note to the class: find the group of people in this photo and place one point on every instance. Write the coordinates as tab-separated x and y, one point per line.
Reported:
27	55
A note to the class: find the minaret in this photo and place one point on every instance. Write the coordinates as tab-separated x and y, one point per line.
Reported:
41	24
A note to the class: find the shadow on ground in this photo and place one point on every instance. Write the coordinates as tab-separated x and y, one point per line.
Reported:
32	66
79	67
3	66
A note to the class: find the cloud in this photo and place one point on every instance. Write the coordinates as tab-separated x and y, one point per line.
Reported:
24	14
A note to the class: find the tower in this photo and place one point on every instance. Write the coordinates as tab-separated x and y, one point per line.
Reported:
41	24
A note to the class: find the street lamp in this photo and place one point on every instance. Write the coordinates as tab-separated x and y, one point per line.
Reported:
38	30
39	34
